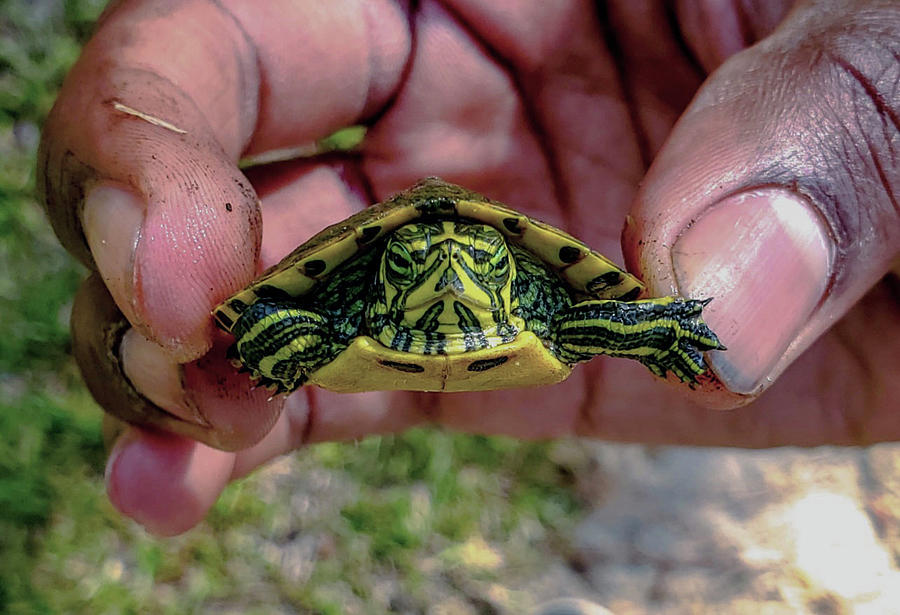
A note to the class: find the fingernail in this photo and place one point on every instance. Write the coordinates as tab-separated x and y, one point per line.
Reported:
112	219
765	258
157	376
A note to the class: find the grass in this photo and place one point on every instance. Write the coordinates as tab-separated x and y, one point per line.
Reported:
400	522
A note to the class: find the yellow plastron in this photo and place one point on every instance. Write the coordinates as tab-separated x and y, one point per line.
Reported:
366	365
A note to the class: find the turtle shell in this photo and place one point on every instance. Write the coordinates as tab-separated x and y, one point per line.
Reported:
587	272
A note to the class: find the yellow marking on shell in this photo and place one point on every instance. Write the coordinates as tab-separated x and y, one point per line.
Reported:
362	367
488	213
293	281
226	316
580	274
331	254
388	221
545	241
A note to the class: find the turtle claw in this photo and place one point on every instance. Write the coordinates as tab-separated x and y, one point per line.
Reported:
234	358
684	356
261	381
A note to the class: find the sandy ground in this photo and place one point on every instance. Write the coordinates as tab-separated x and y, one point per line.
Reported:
733	531
667	530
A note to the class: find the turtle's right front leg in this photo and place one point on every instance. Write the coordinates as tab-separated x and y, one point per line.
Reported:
664	334
281	343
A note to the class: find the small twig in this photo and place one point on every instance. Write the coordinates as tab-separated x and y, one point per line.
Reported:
148	118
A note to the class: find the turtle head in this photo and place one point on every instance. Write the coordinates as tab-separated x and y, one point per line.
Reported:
447	276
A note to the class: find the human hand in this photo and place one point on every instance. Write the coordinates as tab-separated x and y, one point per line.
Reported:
782	171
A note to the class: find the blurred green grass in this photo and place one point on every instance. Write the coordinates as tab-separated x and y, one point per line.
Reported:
426	514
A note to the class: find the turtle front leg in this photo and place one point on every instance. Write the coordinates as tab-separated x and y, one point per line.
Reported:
281	343
664	334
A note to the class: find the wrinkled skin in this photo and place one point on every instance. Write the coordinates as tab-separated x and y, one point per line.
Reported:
563	110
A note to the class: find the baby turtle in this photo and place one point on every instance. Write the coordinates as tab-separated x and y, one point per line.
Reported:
442	289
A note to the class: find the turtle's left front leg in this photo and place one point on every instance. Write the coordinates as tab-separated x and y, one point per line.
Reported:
664	334
281	342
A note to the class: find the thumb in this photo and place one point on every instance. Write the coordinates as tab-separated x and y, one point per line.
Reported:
138	172
138	169
777	191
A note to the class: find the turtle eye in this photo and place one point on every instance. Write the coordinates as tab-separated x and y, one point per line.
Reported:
399	264
479	257
490	259
500	269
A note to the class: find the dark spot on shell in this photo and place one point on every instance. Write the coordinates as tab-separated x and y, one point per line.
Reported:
314	267
369	233
437	206
485	364
604	281
267	291
409	368
228	207
512	225
224	321
631	295
612	278
569	254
